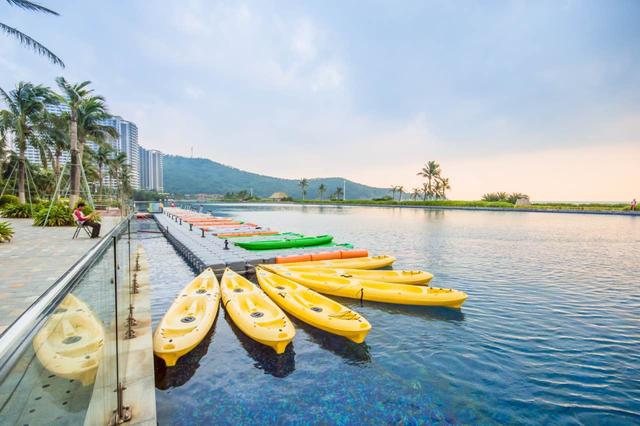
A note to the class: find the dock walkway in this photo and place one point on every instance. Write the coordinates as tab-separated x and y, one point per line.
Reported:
208	251
34	260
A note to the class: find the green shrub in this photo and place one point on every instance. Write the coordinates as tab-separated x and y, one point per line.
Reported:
8	199
17	211
60	215
6	232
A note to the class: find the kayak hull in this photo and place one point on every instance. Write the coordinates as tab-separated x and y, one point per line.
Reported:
377	291
285	243
188	319
313	308
387	276
371	262
255	314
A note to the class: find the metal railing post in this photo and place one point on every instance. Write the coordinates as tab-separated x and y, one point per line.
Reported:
122	413
131	321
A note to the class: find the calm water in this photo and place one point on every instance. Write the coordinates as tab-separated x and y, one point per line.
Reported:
550	333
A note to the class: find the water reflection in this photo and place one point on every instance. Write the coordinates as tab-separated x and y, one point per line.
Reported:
428	313
70	343
185	368
265	357
353	353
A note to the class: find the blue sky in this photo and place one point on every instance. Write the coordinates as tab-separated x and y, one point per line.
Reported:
540	97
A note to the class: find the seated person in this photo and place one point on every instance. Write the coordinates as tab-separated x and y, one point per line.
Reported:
86	220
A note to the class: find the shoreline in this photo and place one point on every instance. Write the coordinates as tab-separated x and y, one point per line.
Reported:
427	207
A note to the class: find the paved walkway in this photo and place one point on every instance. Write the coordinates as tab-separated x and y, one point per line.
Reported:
34	260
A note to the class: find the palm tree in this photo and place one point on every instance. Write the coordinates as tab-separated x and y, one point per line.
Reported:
393	190
425	191
75	94
125	181
303	184
54	132
415	193
115	165
443	186
25	39
26	104
400	190
322	189
430	171
339	193
102	156
91	111
5	129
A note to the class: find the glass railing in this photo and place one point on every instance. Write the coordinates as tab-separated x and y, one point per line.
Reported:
64	360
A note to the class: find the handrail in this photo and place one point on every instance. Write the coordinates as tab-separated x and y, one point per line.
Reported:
31	319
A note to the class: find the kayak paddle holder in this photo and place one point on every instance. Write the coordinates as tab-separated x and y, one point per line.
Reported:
131	322
226	244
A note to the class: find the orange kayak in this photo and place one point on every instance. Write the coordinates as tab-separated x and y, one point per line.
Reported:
247	234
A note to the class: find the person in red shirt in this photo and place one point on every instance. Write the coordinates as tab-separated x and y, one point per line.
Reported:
86	220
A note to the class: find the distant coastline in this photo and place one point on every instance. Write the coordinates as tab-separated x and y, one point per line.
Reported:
596	209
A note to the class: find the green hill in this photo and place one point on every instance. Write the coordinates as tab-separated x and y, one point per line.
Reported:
184	175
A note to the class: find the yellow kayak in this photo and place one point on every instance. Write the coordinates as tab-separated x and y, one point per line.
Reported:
70	344
313	308
376	291
254	313
188	319
372	262
387	276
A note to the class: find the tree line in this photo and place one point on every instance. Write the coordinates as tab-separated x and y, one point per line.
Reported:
435	187
322	189
55	123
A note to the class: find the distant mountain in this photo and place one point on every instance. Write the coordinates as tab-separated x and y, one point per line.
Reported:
184	175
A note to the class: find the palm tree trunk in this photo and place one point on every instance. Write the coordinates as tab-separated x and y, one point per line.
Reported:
75	169
56	169
100	188
78	176
21	175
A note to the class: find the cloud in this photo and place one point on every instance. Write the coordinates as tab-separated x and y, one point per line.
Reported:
263	49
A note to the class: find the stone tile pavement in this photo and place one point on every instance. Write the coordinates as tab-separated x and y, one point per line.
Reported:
34	260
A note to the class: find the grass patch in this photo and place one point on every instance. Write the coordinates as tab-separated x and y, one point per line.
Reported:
433	203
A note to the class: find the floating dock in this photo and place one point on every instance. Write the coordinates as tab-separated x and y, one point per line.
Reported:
203	249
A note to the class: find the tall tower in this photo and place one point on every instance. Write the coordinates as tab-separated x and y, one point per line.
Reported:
127	142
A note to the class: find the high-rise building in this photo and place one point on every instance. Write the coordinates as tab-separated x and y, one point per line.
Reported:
156	172
151	169
33	155
144	168
127	142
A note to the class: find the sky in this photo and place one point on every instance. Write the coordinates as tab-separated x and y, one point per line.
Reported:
540	97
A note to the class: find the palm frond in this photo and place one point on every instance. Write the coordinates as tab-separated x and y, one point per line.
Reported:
7	99
31	43
34	7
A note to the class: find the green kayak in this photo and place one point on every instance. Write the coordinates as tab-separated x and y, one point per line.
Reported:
286	243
